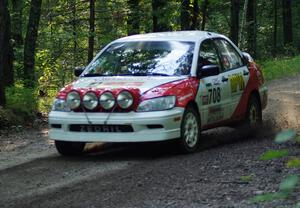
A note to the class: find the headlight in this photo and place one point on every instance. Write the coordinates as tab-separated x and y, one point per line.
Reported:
90	101
107	100
73	100
125	99
157	104
60	105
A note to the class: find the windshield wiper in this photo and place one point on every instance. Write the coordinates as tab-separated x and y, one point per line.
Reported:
143	74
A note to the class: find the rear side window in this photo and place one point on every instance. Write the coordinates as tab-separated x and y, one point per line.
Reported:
230	58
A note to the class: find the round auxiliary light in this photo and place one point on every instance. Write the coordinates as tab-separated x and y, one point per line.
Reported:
73	100
107	100
125	99
90	101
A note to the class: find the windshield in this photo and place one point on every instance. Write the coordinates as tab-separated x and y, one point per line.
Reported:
144	58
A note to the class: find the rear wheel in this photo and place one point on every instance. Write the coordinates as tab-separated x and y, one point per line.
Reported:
254	113
190	131
69	148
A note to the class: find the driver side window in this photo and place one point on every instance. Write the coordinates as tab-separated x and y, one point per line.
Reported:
208	55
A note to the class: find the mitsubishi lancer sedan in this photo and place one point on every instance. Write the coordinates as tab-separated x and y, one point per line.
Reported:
158	87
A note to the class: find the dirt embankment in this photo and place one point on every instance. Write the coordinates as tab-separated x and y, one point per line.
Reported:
226	172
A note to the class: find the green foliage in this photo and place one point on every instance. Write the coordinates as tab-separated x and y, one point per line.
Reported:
22	102
247	178
285	136
293	163
8	118
273	154
278	68
288	185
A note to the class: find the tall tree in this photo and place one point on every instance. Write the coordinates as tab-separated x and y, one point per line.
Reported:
159	24
30	41
275	2
234	20
251	27
7	63
16	20
4	46
91	31
185	15
287	22
204	14
195	17
133	21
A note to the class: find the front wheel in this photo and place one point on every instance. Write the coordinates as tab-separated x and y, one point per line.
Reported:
69	148
190	131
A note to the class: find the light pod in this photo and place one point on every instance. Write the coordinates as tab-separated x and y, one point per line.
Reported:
107	100
73	100
125	100
90	101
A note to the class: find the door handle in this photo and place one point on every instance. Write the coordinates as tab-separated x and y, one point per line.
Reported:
224	79
245	73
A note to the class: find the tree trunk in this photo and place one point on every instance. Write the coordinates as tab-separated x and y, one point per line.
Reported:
30	42
74	28
92	31
133	23
251	27
234	20
7	51
275	28
159	24
4	46
204	14
195	17
287	22
16	20
185	15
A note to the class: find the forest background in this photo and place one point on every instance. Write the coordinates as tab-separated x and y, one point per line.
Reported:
42	41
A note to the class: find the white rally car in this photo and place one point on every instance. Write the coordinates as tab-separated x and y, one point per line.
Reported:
157	87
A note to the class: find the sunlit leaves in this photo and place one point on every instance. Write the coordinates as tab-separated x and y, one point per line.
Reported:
273	154
293	163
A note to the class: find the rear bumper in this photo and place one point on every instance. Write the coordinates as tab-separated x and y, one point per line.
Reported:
263	92
168	120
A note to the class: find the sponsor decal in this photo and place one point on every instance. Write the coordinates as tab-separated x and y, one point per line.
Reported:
216	81
185	97
215	113
119	84
236	82
205	100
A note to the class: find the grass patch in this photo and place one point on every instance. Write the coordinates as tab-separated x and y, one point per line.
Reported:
280	67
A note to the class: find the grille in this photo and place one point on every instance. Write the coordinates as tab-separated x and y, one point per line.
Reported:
100	128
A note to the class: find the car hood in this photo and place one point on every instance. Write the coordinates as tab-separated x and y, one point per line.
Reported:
139	82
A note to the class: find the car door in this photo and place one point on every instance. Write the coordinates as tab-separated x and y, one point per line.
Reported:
235	72
211	96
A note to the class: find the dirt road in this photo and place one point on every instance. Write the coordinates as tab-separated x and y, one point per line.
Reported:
225	172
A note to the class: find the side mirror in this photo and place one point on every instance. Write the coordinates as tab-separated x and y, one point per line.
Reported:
247	57
208	70
78	71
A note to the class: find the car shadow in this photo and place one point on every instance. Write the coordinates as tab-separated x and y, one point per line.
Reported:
215	138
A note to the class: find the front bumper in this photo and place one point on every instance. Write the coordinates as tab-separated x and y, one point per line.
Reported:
169	121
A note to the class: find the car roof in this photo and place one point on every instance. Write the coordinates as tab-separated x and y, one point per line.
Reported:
193	36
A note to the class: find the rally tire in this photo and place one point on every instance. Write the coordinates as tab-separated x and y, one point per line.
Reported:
254	113
69	148
190	131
